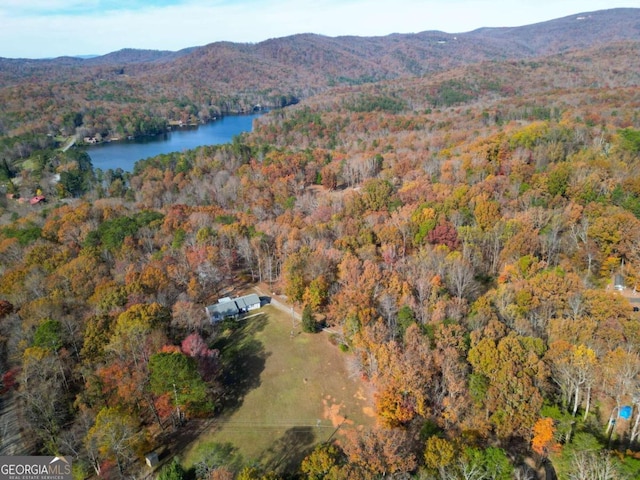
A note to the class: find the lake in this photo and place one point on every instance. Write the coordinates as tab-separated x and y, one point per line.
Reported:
124	154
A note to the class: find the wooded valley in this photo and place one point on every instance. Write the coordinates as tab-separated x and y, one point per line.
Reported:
471	230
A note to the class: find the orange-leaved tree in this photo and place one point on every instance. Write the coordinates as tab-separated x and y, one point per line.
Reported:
543	441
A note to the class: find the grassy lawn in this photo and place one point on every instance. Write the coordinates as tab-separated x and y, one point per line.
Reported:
288	394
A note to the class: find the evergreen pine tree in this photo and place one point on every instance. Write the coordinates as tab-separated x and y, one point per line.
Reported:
309	324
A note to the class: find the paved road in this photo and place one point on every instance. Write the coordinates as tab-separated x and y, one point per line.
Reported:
278	304
70	144
286	308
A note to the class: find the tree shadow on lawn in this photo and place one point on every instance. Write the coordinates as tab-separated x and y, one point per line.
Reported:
214	455
243	359
286	454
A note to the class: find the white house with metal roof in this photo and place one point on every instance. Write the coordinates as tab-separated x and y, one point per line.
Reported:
232	307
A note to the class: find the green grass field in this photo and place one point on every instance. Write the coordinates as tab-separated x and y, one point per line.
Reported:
288	394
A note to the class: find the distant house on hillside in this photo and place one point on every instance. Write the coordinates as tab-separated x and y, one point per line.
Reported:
37	199
232	307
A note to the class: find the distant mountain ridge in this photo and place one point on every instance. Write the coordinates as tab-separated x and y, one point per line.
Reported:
318	60
134	92
132	55
582	30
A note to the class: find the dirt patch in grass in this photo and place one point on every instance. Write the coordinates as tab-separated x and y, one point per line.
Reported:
288	393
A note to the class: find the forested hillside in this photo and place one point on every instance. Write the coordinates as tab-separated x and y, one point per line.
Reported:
460	230
143	92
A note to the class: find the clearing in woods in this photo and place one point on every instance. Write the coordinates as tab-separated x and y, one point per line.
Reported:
289	393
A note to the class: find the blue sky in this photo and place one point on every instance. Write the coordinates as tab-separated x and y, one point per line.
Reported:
50	28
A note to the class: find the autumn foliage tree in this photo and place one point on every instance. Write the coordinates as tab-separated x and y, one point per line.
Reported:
177	375
116	436
512	399
457	231
543	441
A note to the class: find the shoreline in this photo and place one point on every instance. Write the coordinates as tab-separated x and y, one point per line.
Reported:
92	141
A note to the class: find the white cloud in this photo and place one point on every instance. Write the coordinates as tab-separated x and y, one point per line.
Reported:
21	7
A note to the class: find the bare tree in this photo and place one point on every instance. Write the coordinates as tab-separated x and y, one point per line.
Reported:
388	307
592	466
248	255
461	278
551	240
580	235
524	472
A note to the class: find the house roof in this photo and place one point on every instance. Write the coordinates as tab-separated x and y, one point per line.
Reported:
247	301
224	309
227	307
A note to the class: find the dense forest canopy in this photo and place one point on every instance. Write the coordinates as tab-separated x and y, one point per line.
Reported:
461	230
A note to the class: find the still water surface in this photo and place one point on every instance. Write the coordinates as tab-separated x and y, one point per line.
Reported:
124	154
